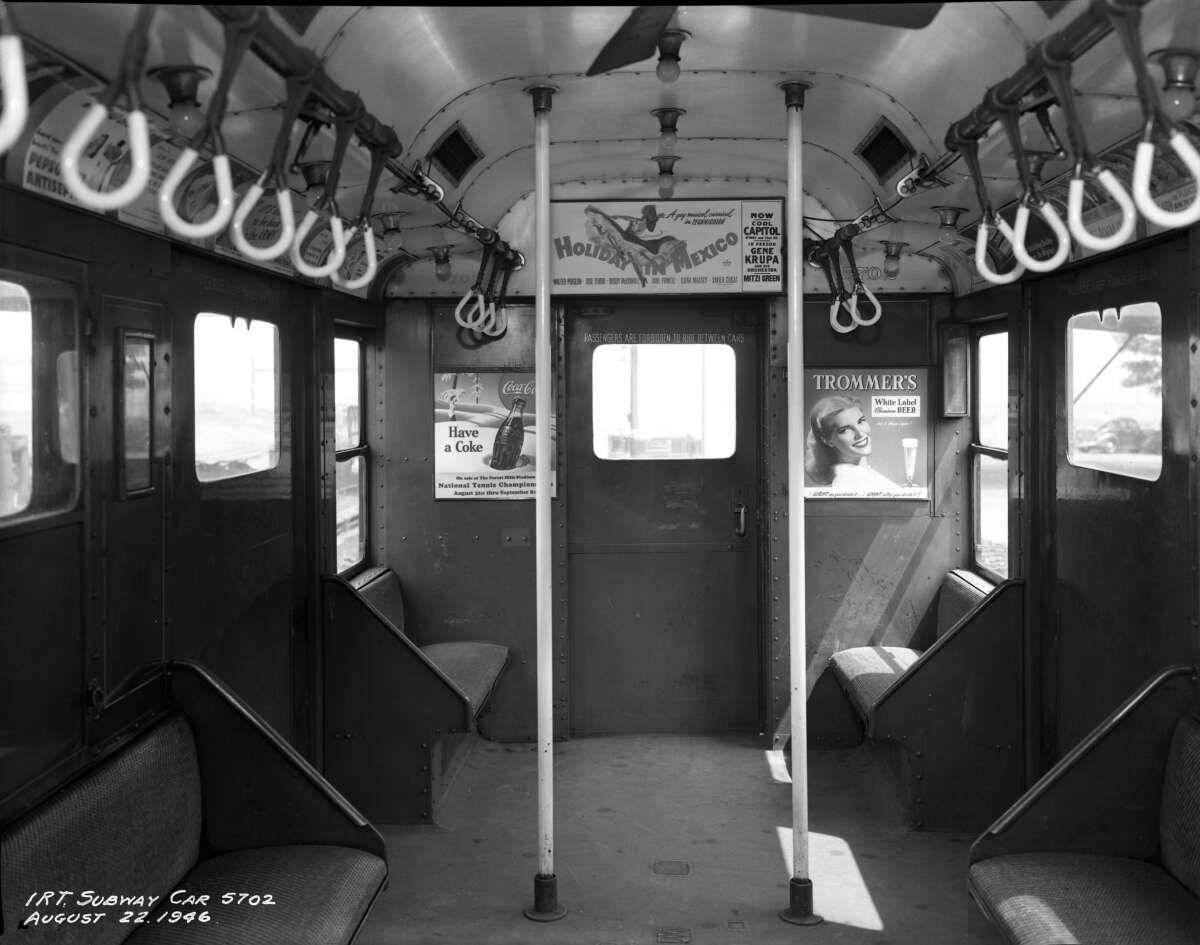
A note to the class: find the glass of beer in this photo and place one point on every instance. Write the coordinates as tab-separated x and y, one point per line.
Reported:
910	458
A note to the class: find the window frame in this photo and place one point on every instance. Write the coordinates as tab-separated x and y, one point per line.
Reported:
17	261
976	447
360	449
277	381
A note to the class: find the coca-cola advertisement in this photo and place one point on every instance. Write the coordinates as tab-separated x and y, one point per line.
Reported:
485	435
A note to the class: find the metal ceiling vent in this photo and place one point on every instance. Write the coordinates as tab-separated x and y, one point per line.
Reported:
455	153
885	150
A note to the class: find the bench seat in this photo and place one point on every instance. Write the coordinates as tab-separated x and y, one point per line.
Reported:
1086	899
473	666
865	672
133	825
1047	897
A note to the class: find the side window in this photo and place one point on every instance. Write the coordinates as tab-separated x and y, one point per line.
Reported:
352	453
1114	390
237	396
989	454
39	397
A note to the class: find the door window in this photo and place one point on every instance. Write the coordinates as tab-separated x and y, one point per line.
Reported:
663	401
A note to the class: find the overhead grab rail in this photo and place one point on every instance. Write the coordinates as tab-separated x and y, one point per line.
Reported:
238	36
124	83
1126	20
286	58
299	88
1010	118
379	158
12	82
345	125
1058	75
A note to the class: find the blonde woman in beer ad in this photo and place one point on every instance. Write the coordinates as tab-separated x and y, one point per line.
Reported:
856	446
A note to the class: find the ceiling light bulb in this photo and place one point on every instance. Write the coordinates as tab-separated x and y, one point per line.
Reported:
667	69
1178	102
667	142
442	270
1178	98
891	258
666	186
185	118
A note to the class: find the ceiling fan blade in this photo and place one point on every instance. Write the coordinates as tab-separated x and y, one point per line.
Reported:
909	16
637	39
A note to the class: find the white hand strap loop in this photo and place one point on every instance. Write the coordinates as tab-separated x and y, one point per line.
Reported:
981	260
16	94
1142	167
337	255
1020	231
836	325
363	280
166	197
854	306
1108	180
139	152
287	224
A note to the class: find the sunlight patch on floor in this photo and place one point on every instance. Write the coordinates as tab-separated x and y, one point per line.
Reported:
839	892
777	764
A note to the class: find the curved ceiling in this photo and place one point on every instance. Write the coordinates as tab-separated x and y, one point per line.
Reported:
422	70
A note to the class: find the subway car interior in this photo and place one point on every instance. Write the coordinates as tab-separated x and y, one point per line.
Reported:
599	475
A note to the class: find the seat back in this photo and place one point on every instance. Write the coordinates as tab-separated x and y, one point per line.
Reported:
130	826
1179	816
380	587
960	593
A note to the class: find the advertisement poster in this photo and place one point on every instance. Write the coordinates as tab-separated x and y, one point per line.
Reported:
667	246
865	433
484	435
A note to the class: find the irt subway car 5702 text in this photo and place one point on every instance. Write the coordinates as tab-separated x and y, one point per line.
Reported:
593	475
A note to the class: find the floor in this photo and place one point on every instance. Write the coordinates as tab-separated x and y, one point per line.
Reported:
668	839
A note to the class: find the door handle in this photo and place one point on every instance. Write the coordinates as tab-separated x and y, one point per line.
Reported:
739	515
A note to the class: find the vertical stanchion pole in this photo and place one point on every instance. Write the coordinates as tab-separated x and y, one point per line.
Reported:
800	889
545	884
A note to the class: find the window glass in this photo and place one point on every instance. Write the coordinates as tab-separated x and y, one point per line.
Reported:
1114	388
663	401
237	396
16	398
350	537
993	389
39	396
136	399
347	356
991	513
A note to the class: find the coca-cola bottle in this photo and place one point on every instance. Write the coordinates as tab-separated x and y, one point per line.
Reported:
510	438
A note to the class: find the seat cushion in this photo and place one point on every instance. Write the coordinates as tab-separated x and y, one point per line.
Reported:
1085	899
474	667
1179	821
320	895
866	671
130	826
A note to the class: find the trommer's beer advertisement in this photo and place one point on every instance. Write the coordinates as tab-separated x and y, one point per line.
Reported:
484	435
866	435
679	246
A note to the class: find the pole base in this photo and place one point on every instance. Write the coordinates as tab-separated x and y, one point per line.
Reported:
545	906
800	904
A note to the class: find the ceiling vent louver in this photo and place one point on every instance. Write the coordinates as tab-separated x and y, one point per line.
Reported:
455	153
885	150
